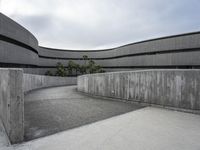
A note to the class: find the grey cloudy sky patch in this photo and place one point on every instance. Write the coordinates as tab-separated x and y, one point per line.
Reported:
97	24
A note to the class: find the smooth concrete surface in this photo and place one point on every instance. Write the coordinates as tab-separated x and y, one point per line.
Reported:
14	54
31	81
10	28
168	88
173	43
51	110
12	103
144	129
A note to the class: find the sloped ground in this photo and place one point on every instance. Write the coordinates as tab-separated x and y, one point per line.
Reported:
51	110
4	141
144	129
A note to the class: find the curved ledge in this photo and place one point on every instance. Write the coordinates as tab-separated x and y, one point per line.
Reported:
139	42
18	43
11	29
128	55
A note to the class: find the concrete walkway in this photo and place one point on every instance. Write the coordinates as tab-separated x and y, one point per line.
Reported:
51	110
144	129
4	141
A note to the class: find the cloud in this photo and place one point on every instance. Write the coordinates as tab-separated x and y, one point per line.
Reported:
96	24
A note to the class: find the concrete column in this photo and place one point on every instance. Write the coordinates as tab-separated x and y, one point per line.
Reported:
12	103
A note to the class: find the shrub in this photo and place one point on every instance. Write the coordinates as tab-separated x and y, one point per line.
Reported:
60	70
89	66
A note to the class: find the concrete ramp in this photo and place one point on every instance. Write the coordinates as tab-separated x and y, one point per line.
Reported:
4	141
144	129
55	109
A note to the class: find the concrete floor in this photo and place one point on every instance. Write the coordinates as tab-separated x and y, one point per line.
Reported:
51	110
4	141
144	129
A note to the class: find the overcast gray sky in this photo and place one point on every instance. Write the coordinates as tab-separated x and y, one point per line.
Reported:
98	24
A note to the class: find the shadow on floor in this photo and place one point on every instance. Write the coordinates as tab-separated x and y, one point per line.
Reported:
51	110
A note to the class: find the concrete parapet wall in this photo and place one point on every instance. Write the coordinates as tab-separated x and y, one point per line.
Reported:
13	84
12	103
168	88
32	82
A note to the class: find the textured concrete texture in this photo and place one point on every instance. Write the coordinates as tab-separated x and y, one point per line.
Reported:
12	103
144	129
52	110
31	81
168	88
4	140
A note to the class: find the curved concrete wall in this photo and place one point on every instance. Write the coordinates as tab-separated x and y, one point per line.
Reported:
13	85
169	88
19	48
31	82
14	31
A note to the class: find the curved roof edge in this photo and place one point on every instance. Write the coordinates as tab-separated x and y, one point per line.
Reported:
10	19
149	40
100	50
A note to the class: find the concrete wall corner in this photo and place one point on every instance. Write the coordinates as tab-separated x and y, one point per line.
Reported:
12	103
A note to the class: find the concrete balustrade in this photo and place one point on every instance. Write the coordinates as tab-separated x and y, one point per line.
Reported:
168	88
32	81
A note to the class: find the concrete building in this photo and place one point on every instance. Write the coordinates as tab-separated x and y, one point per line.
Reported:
171	80
20	49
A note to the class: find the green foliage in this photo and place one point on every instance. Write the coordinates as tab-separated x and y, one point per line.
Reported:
85	58
60	70
83	69
76	68
93	68
73	68
70	67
